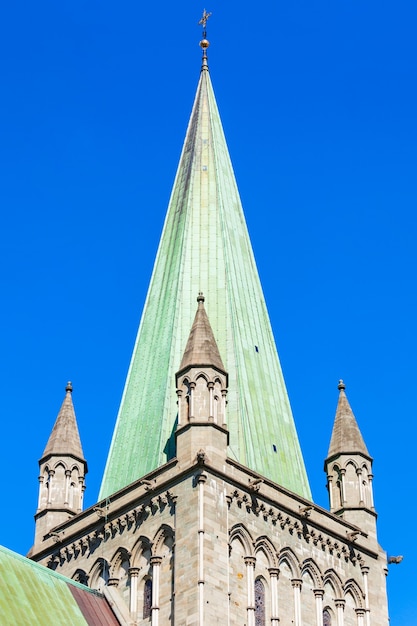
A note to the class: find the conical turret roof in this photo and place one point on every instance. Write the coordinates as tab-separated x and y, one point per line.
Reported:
201	348
65	438
346	436
205	247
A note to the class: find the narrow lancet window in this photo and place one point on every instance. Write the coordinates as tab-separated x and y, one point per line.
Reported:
259	603
147	598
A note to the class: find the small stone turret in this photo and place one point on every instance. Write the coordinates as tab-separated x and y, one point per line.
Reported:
349	469
62	472
201	389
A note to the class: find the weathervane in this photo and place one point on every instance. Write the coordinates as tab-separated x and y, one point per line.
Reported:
204	43
203	21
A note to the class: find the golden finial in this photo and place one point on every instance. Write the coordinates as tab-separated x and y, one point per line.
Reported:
204	43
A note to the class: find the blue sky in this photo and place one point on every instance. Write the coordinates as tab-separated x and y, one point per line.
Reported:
318	102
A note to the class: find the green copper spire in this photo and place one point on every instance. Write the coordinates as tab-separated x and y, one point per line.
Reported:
205	247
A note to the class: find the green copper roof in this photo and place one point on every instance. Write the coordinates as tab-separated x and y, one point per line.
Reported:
32	594
205	247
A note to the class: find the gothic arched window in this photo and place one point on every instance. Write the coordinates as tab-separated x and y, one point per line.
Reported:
327	620
81	577
259	603
147	598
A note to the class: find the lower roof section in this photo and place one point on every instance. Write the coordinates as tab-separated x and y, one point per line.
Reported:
33	594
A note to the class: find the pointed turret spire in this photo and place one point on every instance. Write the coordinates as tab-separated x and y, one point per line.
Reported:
349	469
201	390
65	438
201	348
346	436
62	470
205	246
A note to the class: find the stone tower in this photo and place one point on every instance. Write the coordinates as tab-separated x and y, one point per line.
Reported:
205	515
349	469
62	471
201	391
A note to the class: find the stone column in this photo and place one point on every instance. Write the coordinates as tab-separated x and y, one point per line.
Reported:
365	572
343	485
156	566
340	608
371	493
297	583
133	599
81	493
318	594
224	403
180	407
41	490
273	577
229	500
210	386
50	477
67	484
360	614
361	494
330	489
192	387
250	577
201	480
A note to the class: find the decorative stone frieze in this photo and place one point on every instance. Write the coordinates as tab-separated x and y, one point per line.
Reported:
295	526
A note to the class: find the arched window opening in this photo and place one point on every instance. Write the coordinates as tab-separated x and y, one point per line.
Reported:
216	409
339	494
71	495
100	575
44	491
365	493
81	577
327	619
259	603
147	599
186	395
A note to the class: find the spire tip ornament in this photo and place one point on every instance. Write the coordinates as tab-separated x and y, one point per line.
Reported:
341	386
204	43
69	386
203	21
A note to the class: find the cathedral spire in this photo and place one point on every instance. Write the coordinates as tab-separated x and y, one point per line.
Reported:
205	247
346	436
201	390
65	438
201	348
62	470
349	469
